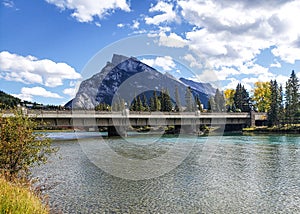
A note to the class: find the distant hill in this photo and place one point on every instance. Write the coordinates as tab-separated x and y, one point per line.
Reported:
7	100
127	77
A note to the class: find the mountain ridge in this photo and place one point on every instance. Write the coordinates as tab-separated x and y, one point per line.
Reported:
127	77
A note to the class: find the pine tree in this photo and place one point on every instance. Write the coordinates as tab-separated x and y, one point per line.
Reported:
274	105
177	100
292	98
168	106
219	101
280	103
139	104
199	104
155	104
189	100
145	103
211	104
241	99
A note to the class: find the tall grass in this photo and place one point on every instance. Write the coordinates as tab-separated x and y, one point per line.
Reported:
18	199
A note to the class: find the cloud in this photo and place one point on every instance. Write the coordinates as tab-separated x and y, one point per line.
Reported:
135	24
172	40
28	93
120	25
193	62
30	70
234	32
86	10
166	63
8	3
276	64
70	91
168	14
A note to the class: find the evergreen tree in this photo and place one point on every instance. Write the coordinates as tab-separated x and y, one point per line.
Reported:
211	104
274	105
134	104
189	100
219	101
155	104
199	104
177	100
280	103
139	104
292	98
165	99
145	103
241	99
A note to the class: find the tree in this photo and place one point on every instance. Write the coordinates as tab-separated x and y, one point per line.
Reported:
211	104
165	100
274	105
189	100
103	107
21	147
155	104
262	96
177	100
199	104
145	103
229	98
219	101
292	98
241	98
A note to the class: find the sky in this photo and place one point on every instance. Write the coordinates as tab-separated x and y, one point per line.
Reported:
46	45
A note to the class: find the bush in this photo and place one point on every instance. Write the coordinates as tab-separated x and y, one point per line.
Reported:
20	146
18	199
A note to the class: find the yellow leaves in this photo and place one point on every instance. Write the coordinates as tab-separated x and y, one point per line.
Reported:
229	95
262	96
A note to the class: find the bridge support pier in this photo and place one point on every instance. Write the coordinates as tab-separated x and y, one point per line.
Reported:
114	131
188	129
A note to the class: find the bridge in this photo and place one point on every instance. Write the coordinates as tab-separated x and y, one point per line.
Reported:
116	122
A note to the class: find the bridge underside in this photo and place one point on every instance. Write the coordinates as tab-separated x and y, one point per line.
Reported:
118	126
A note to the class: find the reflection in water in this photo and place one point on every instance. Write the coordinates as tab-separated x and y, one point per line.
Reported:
245	174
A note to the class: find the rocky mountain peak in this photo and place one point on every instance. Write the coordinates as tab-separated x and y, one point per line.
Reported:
117	59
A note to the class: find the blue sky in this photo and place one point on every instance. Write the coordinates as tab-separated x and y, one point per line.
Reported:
45	44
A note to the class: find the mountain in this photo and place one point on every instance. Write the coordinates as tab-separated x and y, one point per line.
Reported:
125	78
205	88
7	100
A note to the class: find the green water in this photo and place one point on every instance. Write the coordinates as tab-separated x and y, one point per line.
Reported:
237	174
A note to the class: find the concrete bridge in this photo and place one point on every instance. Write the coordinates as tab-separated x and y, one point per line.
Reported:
120	120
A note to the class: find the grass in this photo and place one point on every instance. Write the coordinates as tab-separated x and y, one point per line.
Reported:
17	199
295	128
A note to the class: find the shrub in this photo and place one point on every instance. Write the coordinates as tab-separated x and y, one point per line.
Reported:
20	146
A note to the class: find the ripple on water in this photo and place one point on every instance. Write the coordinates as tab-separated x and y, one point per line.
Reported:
241	174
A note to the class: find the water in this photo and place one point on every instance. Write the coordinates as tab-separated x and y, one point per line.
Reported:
240	174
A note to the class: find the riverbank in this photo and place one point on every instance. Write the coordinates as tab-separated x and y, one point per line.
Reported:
294	129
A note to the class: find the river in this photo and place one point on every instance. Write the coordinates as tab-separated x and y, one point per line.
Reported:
234	174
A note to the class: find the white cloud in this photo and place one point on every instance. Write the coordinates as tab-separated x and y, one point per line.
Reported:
193	62
28	93
120	25
70	91
135	24
173	40
276	64
166	63
8	3
86	10
31	70
97	24
168	14
232	32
